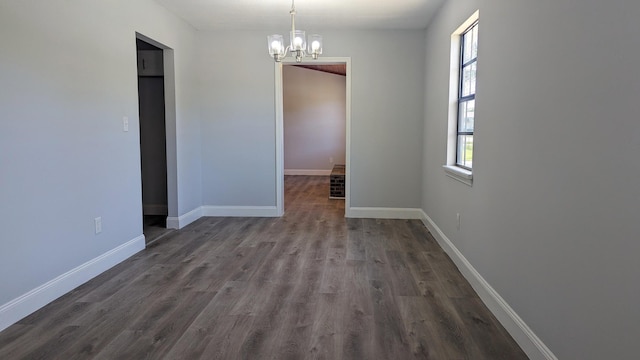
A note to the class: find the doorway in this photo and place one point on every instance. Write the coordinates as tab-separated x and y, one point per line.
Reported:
314	101
279	92
153	139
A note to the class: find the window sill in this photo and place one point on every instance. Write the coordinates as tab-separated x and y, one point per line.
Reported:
458	173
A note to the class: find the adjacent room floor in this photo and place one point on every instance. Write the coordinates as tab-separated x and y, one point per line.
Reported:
311	284
154	228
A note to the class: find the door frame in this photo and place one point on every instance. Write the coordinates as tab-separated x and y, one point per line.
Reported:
279	107
170	130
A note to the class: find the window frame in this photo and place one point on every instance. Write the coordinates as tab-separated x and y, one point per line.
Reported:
465	98
451	169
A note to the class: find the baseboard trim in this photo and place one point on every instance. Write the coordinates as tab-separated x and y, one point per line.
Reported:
517	328
383	213
18	308
223	211
184	220
240	211
307	172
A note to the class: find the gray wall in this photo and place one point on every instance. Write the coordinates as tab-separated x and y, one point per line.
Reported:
314	119
66	81
551	221
238	116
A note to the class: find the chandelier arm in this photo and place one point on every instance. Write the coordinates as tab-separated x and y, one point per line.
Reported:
279	58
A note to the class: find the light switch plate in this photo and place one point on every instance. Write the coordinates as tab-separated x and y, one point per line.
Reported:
98	224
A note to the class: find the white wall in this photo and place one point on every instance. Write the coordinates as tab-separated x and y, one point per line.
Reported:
314	119
551	221
67	77
238	116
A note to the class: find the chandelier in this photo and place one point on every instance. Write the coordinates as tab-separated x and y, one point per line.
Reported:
298	43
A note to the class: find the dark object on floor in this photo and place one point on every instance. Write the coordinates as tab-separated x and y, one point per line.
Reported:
336	190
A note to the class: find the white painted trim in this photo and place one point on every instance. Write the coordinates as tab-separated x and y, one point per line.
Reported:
309	172
184	220
222	211
459	174
383	213
240	211
279	109
517	328
279	114
347	180
35	299
154	209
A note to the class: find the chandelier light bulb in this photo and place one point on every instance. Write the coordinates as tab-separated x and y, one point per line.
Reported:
315	45
275	46
297	42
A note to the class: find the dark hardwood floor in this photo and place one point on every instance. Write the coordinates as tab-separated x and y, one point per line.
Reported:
154	227
309	285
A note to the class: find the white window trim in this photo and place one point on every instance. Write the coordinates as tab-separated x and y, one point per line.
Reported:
456	172
451	169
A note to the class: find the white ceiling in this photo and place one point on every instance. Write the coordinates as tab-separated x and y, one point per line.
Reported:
311	14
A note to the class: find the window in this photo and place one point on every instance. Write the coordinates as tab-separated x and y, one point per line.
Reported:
467	96
462	101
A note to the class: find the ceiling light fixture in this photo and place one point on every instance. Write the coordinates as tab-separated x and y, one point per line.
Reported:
298	43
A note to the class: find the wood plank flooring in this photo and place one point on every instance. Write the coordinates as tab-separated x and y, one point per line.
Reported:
154	227
309	285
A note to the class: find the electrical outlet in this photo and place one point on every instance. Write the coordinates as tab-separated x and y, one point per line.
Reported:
331	160
98	223
458	223
125	123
